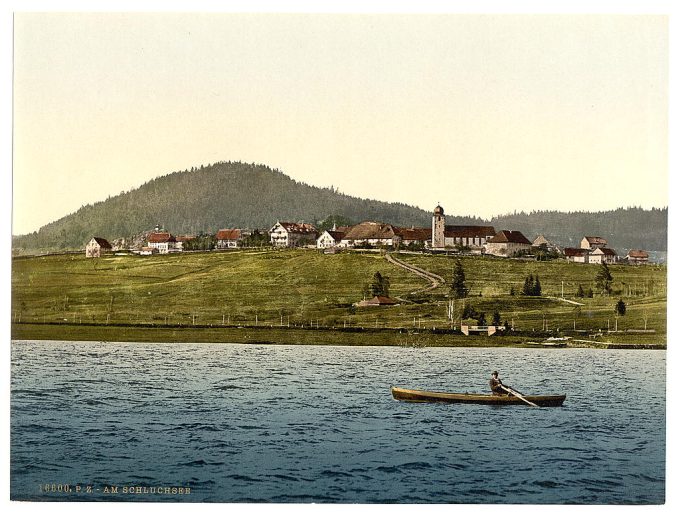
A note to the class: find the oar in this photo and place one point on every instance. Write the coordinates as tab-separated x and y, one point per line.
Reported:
520	396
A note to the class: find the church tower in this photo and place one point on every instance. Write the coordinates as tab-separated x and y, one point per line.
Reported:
438	224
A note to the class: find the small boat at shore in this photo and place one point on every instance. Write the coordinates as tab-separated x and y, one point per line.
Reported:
424	396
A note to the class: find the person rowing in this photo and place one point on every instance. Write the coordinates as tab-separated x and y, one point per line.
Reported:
498	389
497	385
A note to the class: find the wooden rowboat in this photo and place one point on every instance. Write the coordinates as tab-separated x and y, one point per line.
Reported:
424	396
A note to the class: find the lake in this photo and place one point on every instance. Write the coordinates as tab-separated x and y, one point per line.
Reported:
267	423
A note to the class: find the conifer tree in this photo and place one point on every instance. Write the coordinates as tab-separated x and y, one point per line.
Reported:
380	287
620	308
496	318
458	288
603	279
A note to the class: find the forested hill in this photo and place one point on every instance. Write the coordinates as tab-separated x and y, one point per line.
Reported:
234	194
622	228
205	199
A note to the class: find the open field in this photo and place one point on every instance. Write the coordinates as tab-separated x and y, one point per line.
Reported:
643	289
272	289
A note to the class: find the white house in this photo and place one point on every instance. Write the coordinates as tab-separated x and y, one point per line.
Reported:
147	250
228	238
96	247
286	234
330	238
577	255
162	241
506	243
602	255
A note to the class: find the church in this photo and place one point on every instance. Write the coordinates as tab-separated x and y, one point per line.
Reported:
472	236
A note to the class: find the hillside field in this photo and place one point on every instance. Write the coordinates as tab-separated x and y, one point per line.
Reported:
296	288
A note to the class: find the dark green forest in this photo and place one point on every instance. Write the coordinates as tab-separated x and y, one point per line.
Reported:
235	194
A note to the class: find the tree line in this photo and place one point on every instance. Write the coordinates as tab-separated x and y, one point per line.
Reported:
235	194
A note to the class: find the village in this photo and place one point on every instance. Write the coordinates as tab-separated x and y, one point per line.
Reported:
440	237
365	284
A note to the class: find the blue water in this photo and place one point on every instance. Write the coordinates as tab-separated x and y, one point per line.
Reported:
249	423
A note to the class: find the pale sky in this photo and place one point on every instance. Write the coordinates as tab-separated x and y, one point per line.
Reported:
485	114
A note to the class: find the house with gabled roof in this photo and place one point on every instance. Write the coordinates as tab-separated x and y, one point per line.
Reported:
331	238
602	255
97	246
373	233
593	242
542	242
576	255
414	235
147	250
287	234
228	238
162	241
637	257
506	243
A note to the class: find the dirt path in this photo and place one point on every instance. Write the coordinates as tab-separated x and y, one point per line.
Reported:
573	302
434	279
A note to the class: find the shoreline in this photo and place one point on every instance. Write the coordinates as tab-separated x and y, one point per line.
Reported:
275	335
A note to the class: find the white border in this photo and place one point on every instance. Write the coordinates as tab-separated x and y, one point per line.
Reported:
334	6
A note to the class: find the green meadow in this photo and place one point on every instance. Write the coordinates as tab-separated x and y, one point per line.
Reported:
225	296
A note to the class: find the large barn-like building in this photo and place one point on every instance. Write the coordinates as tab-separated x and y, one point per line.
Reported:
507	243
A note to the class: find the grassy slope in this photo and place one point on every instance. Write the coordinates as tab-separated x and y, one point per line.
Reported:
306	286
489	279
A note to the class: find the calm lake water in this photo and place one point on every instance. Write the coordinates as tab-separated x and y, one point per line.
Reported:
249	423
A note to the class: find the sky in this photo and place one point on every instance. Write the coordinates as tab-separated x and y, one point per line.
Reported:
484	114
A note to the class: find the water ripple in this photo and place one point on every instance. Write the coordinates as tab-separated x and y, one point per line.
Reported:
252	423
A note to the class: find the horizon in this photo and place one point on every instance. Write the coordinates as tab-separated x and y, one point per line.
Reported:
487	114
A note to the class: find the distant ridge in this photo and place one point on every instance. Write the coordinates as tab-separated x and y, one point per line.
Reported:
235	194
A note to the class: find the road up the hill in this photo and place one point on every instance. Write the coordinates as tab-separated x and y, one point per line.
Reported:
434	279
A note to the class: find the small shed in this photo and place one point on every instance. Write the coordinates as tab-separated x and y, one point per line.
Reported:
147	250
97	246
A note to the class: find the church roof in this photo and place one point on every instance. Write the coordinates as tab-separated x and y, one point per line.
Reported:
468	231
510	236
